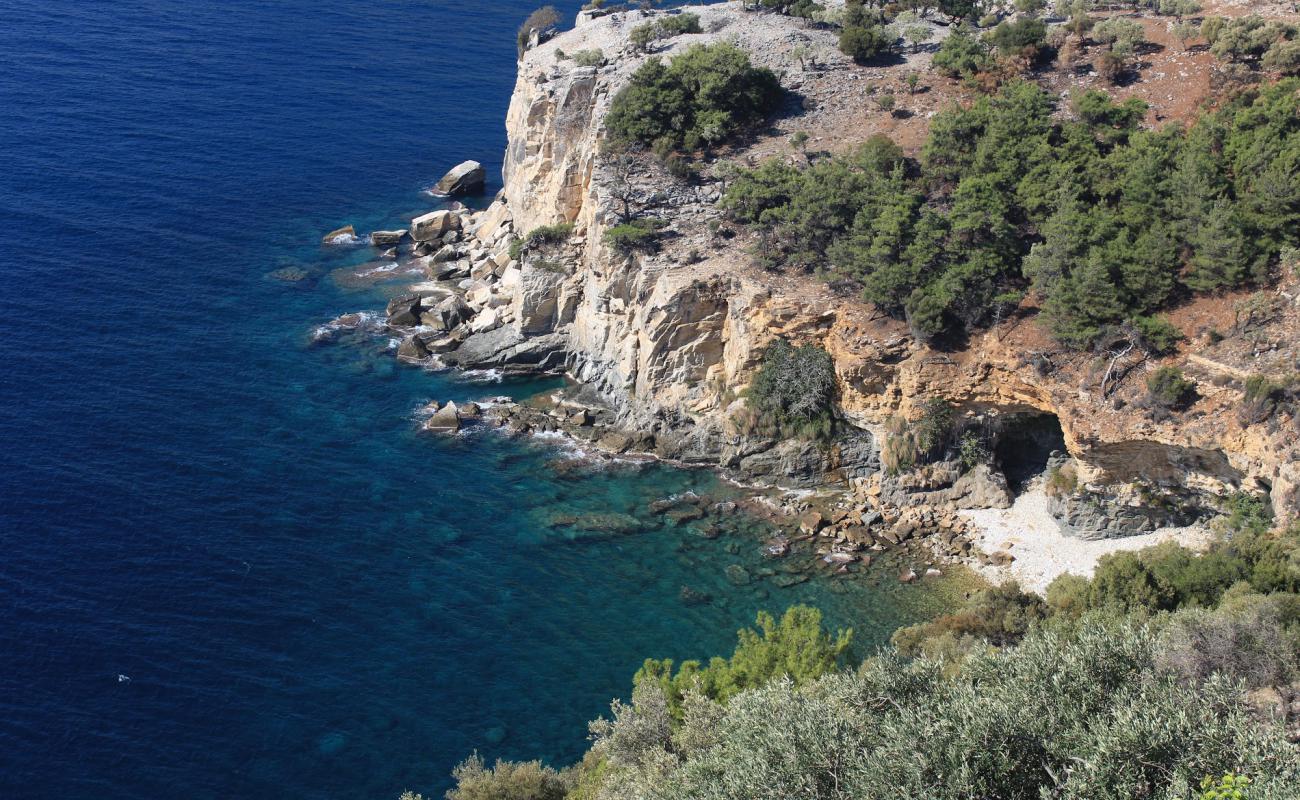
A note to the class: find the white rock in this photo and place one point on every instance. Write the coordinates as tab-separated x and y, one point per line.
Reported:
433	225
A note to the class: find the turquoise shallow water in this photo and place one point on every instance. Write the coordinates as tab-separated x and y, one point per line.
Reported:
232	567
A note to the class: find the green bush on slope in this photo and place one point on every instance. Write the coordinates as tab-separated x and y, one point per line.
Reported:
1070	714
1104	222
701	98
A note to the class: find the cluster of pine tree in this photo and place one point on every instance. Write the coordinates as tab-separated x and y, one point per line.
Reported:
1104	221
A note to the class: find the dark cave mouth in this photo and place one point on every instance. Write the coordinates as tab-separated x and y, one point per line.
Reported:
1025	445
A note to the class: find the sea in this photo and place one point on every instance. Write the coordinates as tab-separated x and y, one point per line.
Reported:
231	566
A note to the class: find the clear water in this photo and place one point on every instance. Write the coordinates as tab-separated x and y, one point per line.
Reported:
229	565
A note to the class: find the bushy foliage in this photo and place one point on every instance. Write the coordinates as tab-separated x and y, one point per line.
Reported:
1025	36
545	235
961	55
638	235
644	36
589	58
1073	714
1168	577
1253	639
865	43
794	389
796	648
911	442
998	616
704	96
1168	388
1246	38
540	22
1106	223
507	780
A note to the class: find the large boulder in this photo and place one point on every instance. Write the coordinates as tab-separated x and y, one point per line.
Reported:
464	178
448	314
387	238
444	420
404	311
536	301
433	225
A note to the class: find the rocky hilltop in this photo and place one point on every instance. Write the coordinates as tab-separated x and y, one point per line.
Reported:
663	346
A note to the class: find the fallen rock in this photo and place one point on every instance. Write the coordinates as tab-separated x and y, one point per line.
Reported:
1001	558
433	225
446	253
812	522
404	311
413	348
444	420
909	576
387	238
342	235
465	177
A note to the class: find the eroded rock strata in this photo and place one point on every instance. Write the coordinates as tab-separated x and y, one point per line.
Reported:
662	346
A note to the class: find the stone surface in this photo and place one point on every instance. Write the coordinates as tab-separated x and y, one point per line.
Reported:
444	420
339	235
434	225
387	238
464	178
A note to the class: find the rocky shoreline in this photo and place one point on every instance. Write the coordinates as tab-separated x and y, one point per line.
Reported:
661	346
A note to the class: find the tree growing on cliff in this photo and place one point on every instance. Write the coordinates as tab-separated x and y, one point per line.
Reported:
541	22
794	389
795	647
699	99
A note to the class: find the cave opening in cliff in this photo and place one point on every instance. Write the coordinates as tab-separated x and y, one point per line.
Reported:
1025	445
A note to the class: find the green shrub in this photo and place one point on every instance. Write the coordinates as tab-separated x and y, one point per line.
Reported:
1062	480
1245	38
999	616
1247	513
701	98
961	55
972	451
794	390
1106	222
507	780
639	235
1156	335
645	35
909	443
1071	714
796	647
865	43
1168	388
1120	32
1229	786
542	22
1026	36
589	58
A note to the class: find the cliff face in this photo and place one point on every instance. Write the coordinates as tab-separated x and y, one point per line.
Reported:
669	341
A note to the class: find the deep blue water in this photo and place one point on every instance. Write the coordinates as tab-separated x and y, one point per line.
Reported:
229	566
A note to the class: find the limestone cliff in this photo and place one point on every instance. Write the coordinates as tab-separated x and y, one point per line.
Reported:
669	341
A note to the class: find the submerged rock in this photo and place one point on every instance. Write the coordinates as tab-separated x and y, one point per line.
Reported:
289	274
738	575
340	235
694	597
